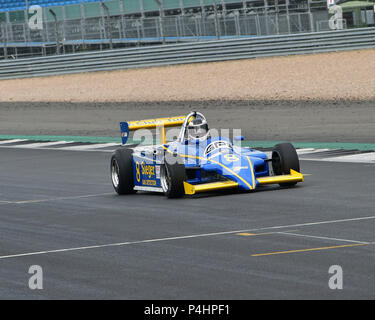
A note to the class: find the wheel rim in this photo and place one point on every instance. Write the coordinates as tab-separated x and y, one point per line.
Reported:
165	180
115	174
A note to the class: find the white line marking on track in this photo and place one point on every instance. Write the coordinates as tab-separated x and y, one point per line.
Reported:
319	237
91	146
60	149
12	141
361	157
305	151
41	144
98	147
339	160
183	237
56	199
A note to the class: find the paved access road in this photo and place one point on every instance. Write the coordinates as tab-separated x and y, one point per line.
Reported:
58	210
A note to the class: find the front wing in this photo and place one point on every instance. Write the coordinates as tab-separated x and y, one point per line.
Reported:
191	189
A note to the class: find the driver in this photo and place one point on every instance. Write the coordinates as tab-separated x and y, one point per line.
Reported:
198	130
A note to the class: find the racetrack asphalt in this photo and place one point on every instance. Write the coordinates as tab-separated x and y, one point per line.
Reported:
59	211
307	121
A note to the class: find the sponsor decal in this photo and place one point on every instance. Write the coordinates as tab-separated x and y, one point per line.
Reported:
157	172
220	144
149	182
148	170
231	157
156	121
124	132
137	172
240	168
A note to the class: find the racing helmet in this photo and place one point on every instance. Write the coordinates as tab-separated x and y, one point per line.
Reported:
198	129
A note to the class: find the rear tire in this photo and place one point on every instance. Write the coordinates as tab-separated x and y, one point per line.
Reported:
122	171
284	158
172	179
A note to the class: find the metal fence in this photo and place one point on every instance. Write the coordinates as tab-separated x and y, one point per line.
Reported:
65	36
203	51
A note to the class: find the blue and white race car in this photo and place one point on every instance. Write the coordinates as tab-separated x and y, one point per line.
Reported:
196	161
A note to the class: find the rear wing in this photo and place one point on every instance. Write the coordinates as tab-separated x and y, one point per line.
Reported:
160	123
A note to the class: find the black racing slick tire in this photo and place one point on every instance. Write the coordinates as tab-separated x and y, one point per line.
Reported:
284	158
122	171
172	178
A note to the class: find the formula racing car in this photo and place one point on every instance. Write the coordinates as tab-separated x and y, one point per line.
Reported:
197	162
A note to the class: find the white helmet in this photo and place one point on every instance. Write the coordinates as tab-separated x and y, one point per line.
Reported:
198	129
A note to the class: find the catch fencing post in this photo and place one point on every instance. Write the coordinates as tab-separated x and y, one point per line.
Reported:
27	29
139	34
197	28
122	29
223	18
277	17
82	21
56	31
311	18
266	17
217	31
177	28
4	34
108	27
161	16
181	26
237	22
181	21
257	24
287	15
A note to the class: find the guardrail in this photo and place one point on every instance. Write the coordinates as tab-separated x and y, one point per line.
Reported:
190	53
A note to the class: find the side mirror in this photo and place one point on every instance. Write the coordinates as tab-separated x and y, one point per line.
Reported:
238	138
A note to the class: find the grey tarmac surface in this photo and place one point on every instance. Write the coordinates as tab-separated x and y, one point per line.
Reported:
312	121
51	200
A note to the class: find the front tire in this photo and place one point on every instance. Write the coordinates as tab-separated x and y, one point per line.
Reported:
122	171
284	158
172	179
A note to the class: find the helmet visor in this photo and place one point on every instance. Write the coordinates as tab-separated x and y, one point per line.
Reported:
198	131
